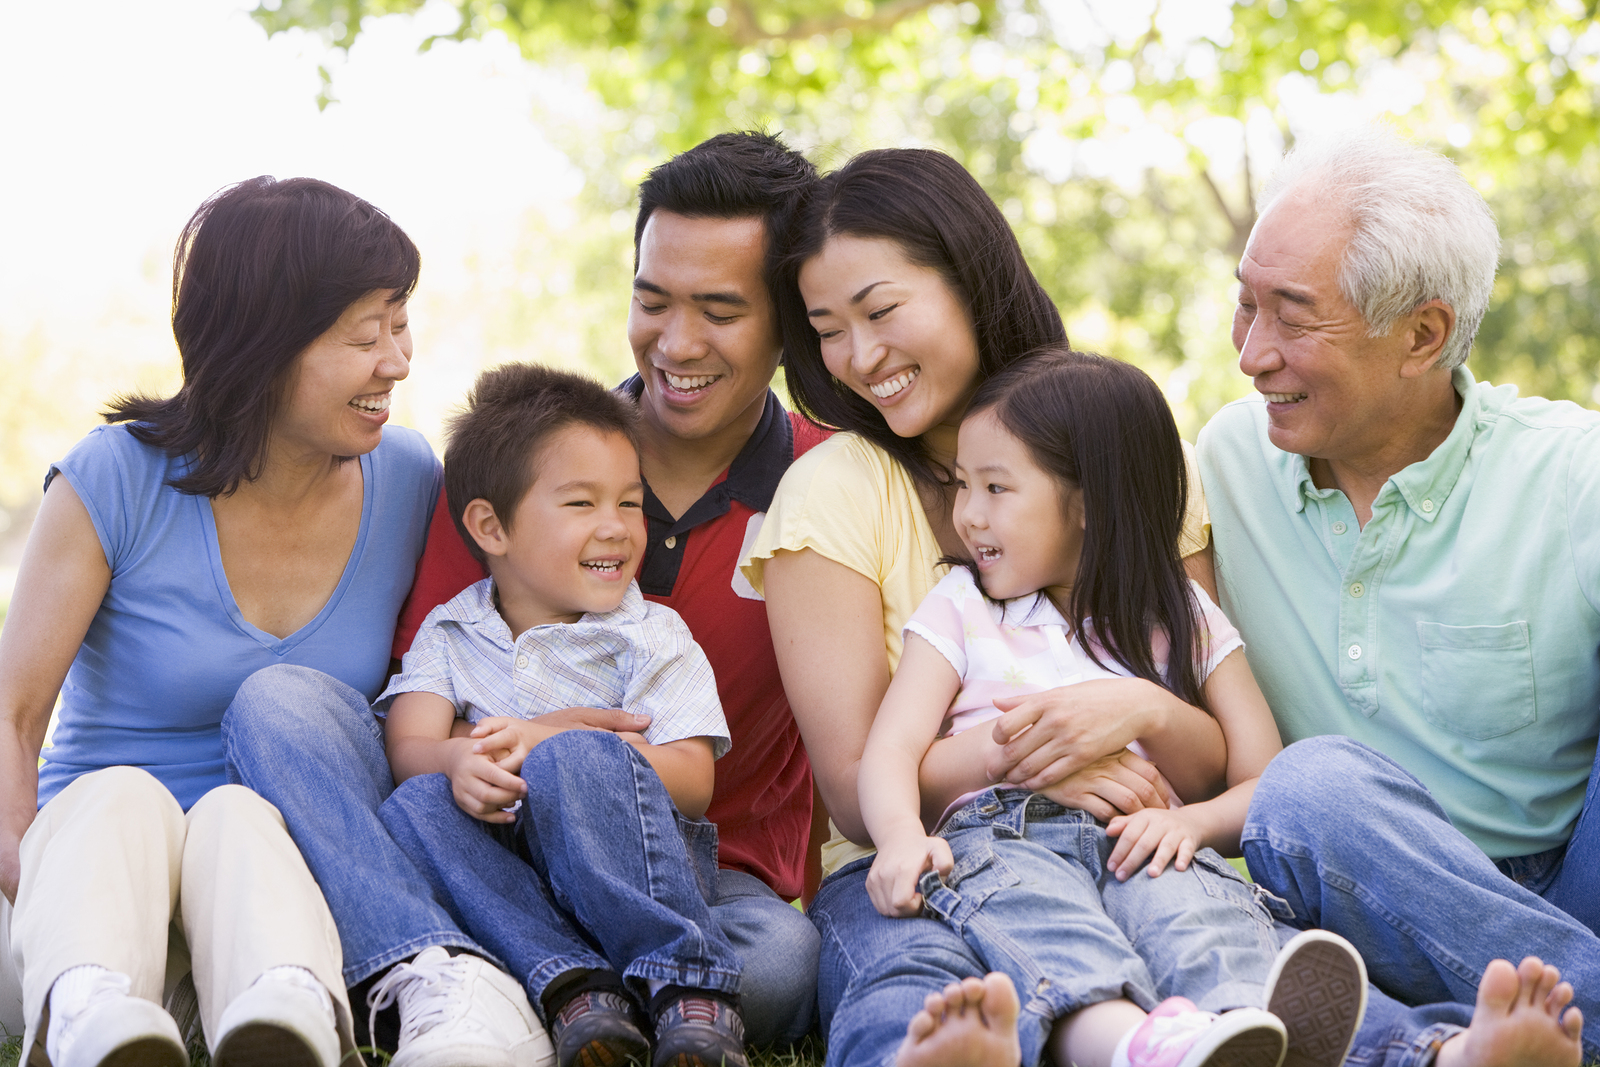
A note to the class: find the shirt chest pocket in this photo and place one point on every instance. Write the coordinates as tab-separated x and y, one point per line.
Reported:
1477	681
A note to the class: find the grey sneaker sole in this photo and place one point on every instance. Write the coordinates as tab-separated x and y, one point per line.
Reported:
1318	987
264	1045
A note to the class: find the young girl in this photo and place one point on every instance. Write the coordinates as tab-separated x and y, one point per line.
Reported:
1070	494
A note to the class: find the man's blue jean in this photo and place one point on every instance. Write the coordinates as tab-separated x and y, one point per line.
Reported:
310	744
1356	845
598	872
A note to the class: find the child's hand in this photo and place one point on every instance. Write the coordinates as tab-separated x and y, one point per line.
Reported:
506	741
900	863
482	788
1164	835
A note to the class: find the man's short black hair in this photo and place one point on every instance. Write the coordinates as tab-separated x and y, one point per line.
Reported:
493	444
729	176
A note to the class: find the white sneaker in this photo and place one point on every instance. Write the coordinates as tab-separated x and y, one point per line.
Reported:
94	1019
285	1019
460	1011
1318	987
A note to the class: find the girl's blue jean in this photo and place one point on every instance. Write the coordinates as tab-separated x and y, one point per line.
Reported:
309	744
1032	895
598	872
1356	845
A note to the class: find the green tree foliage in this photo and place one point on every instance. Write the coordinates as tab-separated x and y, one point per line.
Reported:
1124	139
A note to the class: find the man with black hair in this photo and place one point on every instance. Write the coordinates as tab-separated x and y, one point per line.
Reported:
714	441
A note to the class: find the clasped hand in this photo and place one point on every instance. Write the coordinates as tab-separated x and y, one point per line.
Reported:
486	776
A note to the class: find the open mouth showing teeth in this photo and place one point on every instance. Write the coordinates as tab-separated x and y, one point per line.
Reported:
885	389
603	566
690	385
1284	398
988	555
372	405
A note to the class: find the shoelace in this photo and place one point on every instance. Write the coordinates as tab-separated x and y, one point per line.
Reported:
431	997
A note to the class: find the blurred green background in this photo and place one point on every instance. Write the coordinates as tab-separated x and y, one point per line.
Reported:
1124	139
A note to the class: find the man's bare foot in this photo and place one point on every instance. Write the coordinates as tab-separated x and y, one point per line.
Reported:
1518	1021
973	1023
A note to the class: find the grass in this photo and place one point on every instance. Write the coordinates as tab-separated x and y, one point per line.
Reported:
807	1054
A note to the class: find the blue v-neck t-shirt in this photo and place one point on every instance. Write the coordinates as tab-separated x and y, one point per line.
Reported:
168	647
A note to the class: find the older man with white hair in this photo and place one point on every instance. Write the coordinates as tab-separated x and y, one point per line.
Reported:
1413	558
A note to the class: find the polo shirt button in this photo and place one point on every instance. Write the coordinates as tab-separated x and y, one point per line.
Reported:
672	542
1339	528
1427	505
1357	590
1355	651
522	661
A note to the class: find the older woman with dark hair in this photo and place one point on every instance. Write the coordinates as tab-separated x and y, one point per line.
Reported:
261	515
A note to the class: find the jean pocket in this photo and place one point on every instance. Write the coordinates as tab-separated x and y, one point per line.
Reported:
700	841
978	874
1222	881
1477	681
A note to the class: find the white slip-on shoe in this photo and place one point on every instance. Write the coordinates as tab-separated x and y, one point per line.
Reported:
285	1019
1318	987
96	1022
460	1011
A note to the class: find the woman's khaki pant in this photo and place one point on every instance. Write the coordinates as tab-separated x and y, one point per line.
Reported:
115	874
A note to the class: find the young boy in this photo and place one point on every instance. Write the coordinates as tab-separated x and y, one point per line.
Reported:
542	477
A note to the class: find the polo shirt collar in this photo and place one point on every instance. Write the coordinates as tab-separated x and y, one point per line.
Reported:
752	478
1424	485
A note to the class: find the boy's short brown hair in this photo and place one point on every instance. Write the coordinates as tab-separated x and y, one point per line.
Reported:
492	445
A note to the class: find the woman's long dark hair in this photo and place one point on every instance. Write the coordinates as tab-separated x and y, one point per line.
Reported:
262	269
929	205
1102	425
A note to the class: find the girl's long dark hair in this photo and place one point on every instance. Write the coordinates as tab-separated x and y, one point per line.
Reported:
941	218
1102	425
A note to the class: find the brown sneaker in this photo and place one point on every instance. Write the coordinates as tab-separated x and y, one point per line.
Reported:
700	1031
596	1029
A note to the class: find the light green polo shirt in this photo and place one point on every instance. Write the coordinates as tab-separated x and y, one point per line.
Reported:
1458	633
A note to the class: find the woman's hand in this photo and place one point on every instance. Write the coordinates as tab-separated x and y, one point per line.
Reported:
481	787
1160	835
1045	737
1119	784
899	866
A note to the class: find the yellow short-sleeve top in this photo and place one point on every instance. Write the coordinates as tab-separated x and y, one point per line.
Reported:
850	501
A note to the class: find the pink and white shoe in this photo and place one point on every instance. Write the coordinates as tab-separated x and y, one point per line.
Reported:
1178	1034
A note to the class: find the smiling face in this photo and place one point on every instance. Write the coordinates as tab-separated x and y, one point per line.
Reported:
336	397
895	333
702	326
1332	392
577	535
1025	533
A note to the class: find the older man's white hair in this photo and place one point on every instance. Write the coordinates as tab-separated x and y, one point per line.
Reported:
1421	232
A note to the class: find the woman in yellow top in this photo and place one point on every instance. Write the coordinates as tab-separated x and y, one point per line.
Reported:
903	290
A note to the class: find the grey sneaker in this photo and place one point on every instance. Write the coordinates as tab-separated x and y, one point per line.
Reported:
699	1031
1318	987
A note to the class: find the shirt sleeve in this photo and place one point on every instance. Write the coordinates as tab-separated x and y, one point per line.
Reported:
938	619
831	500
1218	636
1196	532
446	568
671	681
425	669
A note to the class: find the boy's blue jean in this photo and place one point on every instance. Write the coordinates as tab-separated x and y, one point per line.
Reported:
309	744
598	872
1356	845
